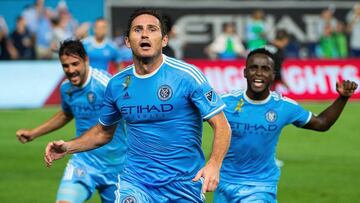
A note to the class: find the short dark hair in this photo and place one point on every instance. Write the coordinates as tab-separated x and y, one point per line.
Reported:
149	11
260	51
72	47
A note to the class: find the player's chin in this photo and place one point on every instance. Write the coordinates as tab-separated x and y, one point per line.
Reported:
258	89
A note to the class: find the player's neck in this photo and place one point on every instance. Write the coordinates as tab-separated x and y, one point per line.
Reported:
257	96
144	66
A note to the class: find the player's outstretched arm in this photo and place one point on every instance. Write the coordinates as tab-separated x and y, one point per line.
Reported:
97	136
57	121
211	171
328	117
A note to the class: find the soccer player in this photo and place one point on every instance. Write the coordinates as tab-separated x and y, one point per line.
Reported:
101	50
256	117
82	98
163	102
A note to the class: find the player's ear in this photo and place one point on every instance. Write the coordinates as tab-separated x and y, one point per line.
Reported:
86	60
245	72
165	40
127	42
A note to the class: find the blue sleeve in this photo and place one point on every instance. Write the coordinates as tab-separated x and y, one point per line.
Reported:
110	114
206	99
298	115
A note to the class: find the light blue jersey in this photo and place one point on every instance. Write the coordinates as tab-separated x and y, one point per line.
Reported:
98	168
164	112
249	173
100	54
85	105
256	127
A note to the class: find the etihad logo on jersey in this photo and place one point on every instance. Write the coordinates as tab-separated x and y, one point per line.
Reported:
253	127
86	108
140	109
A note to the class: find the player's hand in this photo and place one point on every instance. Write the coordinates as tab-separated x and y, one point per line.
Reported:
210	173
346	88
55	150
24	136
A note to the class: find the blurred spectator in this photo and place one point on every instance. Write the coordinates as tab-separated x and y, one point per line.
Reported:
277	48
168	50
59	34
32	15
327	21
44	35
341	40
255	30
353	20
327	47
124	52
100	49
23	40
66	20
3	25
227	45
7	49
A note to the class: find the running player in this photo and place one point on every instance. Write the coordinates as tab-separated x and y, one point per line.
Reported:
82	98
164	102
256	117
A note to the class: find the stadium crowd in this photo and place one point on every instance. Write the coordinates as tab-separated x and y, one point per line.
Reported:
39	30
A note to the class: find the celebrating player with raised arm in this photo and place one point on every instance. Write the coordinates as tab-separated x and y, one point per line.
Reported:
82	98
256	117
163	102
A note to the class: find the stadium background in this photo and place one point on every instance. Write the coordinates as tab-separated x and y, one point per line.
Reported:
319	167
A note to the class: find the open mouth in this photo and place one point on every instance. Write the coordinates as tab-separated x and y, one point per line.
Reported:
145	45
258	83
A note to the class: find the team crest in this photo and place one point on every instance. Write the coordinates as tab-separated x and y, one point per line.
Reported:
129	199
271	116
211	97
165	92
79	172
91	97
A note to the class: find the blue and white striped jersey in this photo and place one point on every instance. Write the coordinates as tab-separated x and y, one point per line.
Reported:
85	104
256	127
163	112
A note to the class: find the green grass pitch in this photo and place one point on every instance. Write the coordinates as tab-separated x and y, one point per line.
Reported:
319	167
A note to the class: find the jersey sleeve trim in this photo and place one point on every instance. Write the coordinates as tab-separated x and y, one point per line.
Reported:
199	78
307	120
106	124
190	67
216	111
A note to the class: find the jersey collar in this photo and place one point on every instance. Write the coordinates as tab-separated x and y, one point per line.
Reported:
150	74
87	79
257	102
